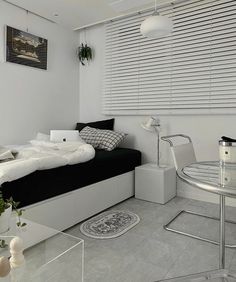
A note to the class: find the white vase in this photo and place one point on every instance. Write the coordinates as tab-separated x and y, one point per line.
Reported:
5	220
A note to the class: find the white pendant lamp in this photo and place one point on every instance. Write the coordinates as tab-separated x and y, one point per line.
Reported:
156	26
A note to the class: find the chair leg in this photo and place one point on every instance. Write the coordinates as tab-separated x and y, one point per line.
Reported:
168	228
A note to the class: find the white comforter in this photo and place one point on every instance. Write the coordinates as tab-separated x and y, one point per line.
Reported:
44	155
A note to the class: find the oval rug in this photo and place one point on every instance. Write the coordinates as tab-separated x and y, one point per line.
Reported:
109	224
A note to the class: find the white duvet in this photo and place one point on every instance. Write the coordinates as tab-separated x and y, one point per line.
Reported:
44	155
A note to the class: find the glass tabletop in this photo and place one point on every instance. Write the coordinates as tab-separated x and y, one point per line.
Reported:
50	255
214	176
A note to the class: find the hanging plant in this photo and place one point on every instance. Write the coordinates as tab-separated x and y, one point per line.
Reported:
84	53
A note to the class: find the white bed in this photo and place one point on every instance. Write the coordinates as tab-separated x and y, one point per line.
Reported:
69	208
66	210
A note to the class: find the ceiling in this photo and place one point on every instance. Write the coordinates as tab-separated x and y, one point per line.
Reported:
78	13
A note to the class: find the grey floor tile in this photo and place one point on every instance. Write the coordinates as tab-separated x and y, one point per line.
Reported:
148	253
233	263
102	266
177	202
137	270
123	244
176	241
198	257
158	252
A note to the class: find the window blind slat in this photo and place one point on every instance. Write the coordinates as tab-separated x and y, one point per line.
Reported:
193	69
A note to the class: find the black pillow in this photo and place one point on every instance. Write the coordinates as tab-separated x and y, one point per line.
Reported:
100	124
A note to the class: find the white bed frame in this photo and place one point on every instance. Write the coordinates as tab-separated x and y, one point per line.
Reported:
64	211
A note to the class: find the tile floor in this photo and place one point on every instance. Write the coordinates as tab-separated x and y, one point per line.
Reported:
148	253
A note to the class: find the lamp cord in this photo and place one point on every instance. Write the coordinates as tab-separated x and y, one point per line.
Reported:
155	13
158	145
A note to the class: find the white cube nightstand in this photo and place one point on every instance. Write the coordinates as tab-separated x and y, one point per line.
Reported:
155	184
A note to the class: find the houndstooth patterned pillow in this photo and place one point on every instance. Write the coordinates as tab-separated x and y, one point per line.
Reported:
101	138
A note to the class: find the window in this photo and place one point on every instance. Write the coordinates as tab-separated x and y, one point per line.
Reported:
191	71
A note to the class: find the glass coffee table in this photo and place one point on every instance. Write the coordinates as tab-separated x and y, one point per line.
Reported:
50	255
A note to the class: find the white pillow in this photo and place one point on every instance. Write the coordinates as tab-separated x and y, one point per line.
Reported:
5	154
42	137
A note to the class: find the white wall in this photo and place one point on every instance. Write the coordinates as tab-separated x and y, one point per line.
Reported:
205	130
33	100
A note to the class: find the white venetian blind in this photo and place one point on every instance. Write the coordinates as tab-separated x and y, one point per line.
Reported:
191	71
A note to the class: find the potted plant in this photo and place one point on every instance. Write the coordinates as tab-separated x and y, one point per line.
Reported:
84	53
5	215
6	207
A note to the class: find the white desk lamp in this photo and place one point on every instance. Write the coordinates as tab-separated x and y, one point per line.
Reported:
153	125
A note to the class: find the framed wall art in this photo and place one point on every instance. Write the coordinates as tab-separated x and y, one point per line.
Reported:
25	48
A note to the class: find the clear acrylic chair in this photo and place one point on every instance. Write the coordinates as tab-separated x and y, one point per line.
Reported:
184	155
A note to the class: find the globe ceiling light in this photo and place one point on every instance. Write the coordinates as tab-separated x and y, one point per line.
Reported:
156	26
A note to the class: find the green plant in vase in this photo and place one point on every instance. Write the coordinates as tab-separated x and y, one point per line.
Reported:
84	53
6	207
18	212
3	204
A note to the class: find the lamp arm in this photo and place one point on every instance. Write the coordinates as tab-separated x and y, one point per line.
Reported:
158	144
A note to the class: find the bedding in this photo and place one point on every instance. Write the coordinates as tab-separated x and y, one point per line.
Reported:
44	155
44	184
5	154
15	169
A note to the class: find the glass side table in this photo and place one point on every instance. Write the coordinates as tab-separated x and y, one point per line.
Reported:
50	255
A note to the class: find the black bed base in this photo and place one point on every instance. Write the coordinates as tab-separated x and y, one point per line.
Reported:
45	184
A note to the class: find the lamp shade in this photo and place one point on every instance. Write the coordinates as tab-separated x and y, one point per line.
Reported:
156	26
150	123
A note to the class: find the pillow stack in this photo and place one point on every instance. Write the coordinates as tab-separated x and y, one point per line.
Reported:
104	139
100	124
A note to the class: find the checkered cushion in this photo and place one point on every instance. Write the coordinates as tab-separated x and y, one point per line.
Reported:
101	139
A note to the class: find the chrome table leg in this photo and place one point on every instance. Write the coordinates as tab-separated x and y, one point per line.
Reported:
222	233
169	228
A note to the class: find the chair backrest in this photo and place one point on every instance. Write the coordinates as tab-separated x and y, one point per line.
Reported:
182	154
